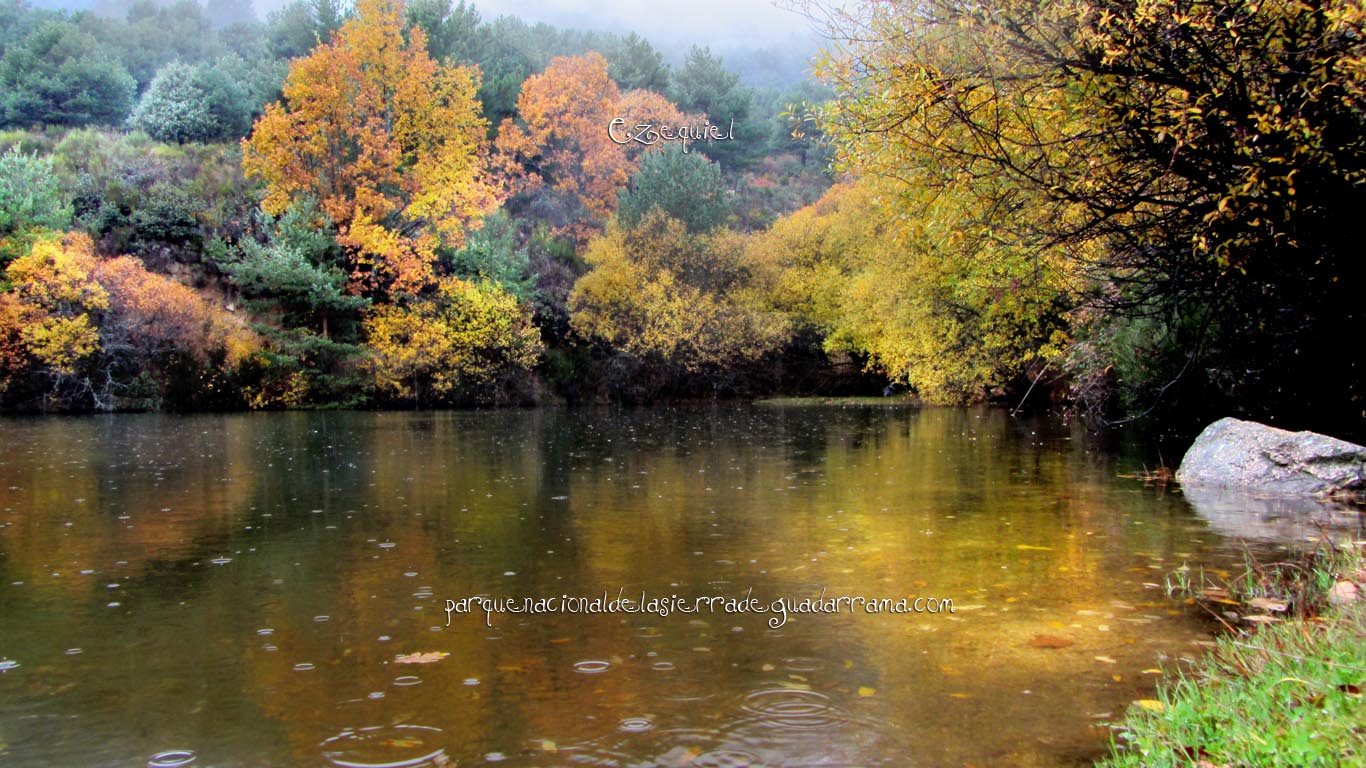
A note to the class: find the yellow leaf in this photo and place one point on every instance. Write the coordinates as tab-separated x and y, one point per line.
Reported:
864	691
420	658
1152	705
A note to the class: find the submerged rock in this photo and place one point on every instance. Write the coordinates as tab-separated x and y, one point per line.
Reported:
1232	453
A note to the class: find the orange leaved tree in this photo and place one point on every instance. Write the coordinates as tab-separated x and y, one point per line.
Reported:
391	144
563	140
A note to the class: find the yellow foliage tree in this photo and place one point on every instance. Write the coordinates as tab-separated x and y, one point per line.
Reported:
933	301
56	290
105	322
658	292
463	340
391	144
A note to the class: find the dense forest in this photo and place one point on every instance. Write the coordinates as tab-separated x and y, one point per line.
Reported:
1131	208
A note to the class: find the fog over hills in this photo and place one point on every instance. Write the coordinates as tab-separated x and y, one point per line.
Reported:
768	43
719	23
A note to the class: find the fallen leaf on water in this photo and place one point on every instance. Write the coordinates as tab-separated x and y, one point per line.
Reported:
768	668
1117	678
420	658
961	695
401	743
1261	619
1031	547
548	746
1106	660
864	691
1267	604
1152	671
680	756
1152	705
1049	641
510	668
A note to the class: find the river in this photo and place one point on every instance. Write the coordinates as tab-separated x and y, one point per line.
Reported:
272	589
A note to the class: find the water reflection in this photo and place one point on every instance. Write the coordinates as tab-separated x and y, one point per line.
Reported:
1267	517
269	588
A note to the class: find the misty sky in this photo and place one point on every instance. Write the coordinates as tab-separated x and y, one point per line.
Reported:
718	23
714	22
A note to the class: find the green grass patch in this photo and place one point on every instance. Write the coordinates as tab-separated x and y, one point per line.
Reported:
1286	692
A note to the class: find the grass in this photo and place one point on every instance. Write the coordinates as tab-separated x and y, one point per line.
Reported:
1283	688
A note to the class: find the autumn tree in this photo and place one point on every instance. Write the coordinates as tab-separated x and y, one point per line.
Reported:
676	299
107	331
55	282
156	323
929	298
644	107
390	144
466	341
14	355
571	160
563	142
1202	161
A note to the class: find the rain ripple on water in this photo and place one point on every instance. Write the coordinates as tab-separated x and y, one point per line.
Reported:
398	746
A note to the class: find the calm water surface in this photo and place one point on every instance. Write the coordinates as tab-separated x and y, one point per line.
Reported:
240	590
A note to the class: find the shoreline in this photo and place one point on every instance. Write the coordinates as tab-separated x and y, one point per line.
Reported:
1286	691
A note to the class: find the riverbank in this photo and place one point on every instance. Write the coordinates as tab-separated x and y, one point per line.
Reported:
899	400
1288	691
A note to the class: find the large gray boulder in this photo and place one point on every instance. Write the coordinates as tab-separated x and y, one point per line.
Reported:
1232	453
